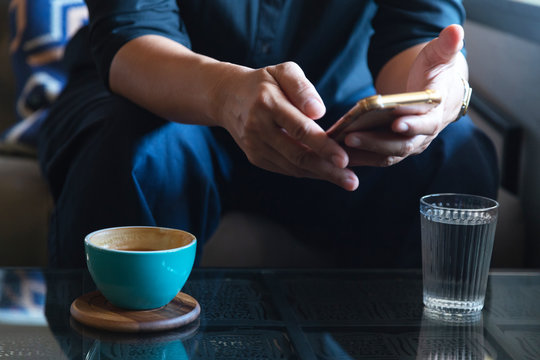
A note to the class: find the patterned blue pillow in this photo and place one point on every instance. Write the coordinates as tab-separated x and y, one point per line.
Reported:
39	31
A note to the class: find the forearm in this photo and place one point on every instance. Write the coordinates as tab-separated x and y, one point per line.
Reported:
269	112
170	80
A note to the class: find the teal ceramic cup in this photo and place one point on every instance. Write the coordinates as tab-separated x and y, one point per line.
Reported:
140	267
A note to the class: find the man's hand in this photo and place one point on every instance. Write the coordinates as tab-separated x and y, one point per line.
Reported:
440	66
270	113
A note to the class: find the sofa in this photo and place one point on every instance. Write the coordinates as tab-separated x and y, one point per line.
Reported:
241	240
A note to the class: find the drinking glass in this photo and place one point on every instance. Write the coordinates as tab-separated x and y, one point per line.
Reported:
457	240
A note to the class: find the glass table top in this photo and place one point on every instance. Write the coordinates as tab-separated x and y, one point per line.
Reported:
277	314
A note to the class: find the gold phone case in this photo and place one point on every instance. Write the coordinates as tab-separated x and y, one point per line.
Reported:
379	110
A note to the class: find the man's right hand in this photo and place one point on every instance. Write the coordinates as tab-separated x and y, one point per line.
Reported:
270	113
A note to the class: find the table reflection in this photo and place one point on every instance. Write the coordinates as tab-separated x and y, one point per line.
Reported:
24	331
452	338
277	314
147	346
22	297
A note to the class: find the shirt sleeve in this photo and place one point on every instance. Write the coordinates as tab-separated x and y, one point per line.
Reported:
115	22
400	24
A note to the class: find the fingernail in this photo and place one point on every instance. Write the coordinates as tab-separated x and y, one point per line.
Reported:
402	127
314	108
353	141
351	182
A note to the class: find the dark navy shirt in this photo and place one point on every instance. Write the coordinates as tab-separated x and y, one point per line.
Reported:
340	44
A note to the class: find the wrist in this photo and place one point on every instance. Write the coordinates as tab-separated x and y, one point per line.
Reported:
225	79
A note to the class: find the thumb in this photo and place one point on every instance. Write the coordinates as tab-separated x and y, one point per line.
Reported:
298	89
444	48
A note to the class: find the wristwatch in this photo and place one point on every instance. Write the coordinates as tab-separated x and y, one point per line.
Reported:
467	91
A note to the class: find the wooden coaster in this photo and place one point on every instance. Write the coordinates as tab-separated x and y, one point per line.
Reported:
94	310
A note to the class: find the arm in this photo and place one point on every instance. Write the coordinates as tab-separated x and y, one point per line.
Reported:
437	64
169	79
269	112
142	50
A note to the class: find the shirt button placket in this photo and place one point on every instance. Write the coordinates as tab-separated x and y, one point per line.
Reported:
269	16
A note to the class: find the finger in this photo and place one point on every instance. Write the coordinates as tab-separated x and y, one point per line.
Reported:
298	89
368	158
418	124
308	132
302	157
385	143
444	48
305	164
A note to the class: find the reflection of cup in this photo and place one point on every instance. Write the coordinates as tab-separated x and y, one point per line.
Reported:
457	240
456	339
140	267
133	351
147	346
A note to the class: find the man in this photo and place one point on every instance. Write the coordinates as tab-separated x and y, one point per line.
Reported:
219	105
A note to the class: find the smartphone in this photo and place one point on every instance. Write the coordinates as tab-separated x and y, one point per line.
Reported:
378	111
